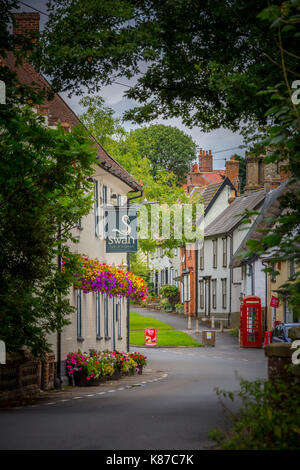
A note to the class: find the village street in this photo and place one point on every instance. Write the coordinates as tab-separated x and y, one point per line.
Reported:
174	409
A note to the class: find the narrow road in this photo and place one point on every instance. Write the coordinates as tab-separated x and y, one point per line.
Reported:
175	412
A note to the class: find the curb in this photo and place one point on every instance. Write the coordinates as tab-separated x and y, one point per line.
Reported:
164	347
75	393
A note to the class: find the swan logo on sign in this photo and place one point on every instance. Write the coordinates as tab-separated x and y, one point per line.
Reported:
120	230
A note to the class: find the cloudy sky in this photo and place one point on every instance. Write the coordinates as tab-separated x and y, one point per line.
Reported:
217	140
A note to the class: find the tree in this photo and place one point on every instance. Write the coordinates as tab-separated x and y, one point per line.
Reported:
212	63
242	171
167	148
100	120
199	60
43	193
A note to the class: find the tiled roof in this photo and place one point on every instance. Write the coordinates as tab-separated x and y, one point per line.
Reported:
208	192
58	110
231	216
210	177
269	212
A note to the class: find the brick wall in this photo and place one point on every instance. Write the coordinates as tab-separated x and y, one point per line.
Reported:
232	172
26	21
190	265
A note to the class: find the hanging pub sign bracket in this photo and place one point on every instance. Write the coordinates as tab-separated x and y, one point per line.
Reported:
120	229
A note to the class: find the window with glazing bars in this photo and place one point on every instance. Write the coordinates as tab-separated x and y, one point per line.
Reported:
214	293
201	254
224	293
98	328
96	207
224	242
201	293
79	314
119	318
106	315
215	253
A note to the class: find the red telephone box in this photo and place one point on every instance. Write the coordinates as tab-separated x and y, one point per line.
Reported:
250	322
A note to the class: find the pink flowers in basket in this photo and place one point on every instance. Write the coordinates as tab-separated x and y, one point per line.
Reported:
99	277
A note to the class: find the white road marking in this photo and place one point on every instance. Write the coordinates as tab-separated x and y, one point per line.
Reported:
98	393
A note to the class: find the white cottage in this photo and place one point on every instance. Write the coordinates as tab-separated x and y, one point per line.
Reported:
219	285
254	281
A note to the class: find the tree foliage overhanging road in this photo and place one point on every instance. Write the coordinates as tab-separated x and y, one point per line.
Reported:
198	60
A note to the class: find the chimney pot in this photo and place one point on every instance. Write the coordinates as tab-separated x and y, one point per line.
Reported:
205	161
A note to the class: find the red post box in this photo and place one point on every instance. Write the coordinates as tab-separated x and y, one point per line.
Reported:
268	337
250	322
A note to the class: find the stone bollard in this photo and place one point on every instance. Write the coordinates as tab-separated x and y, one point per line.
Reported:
279	356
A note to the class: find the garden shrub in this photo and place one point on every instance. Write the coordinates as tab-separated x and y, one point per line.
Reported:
269	418
171	293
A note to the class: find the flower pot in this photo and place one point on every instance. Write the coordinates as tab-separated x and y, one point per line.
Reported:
80	380
140	371
116	375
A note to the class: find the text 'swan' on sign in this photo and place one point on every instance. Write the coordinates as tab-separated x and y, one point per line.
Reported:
120	228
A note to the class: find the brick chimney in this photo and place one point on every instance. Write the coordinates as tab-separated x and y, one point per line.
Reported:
205	160
232	172
195	168
26	22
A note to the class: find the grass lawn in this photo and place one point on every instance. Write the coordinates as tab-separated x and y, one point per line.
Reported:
166	335
138	322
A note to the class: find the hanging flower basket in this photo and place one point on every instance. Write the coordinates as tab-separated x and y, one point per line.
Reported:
100	277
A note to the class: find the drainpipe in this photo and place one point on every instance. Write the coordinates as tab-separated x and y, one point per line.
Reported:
128	267
196	287
264	263
230	277
58	340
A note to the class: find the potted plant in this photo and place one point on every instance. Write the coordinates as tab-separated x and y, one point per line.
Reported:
140	361
89	369
179	308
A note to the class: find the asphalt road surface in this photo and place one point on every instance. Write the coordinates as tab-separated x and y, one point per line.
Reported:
176	409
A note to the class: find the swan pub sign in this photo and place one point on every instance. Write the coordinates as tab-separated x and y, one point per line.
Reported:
120	228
